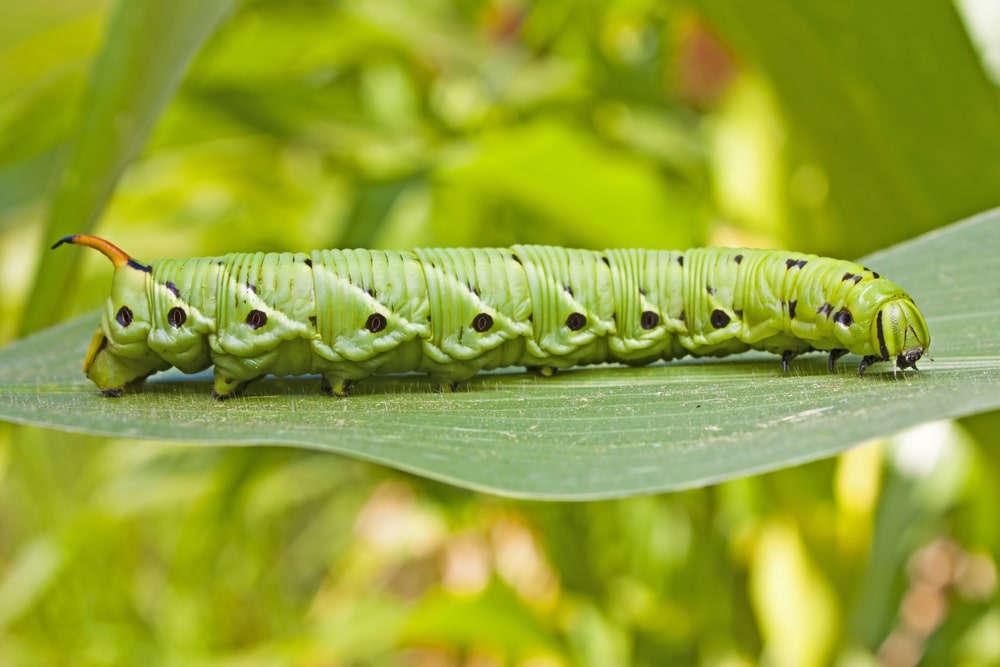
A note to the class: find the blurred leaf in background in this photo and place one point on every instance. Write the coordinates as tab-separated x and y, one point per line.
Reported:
830	127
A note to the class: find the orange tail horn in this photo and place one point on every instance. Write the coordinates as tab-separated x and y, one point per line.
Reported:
117	256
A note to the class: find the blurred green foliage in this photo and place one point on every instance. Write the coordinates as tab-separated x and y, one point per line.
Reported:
833	127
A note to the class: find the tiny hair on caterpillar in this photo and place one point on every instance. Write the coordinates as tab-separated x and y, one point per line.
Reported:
452	312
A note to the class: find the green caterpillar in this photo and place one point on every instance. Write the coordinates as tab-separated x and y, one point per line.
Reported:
450	313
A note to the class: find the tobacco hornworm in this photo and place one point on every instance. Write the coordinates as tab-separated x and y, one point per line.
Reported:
451	312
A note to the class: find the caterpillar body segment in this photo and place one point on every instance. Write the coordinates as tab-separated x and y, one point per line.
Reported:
452	312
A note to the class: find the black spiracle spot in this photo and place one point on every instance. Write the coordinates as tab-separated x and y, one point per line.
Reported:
844	317
482	322
376	322
719	318
791	309
256	319
124	316
176	317
649	320
576	321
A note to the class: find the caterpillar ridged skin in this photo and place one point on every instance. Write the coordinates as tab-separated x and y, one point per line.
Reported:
452	312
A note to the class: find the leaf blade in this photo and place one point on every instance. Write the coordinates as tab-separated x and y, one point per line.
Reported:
588	433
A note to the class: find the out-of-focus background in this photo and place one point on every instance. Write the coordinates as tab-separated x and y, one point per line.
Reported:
829	127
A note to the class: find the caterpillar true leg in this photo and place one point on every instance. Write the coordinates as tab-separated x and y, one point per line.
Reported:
787	356
867	361
834	355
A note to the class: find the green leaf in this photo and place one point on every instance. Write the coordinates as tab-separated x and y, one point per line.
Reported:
145	54
900	130
588	433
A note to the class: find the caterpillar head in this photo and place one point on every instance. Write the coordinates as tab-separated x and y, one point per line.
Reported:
899	331
119	355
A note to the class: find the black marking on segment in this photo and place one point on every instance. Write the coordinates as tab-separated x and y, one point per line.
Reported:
256	319
531	317
124	316
648	320
252	287
173	289
607	262
739	313
826	309
516	259
710	290
569	290
719	318
371	292
682	317
851	276
834	355
312	320
875	275
738	259
176	317
789	263
482	322
576	321
844	317
680	259
881	336
791	309
642	291
309	262
142	267
376	322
